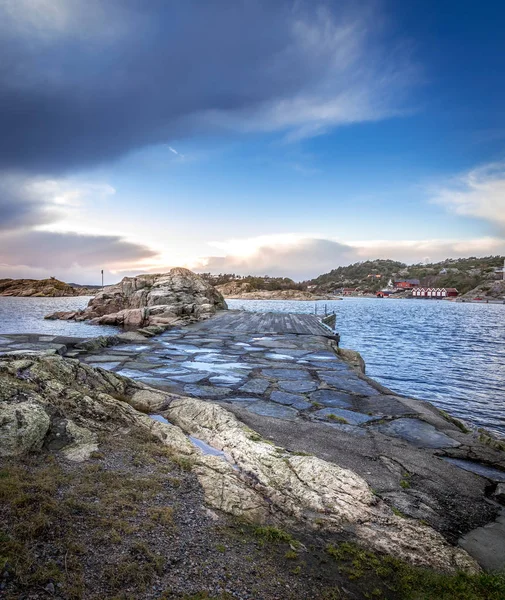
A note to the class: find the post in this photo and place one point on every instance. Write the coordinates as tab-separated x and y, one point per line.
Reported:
102	280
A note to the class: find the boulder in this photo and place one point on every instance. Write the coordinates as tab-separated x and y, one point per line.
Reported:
23	427
163	299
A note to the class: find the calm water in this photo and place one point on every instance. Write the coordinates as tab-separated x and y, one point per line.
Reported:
452	354
26	315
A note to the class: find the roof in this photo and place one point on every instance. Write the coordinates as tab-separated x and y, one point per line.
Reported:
412	281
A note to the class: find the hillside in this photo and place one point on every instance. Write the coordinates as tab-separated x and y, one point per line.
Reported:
465	274
252	283
245	291
41	288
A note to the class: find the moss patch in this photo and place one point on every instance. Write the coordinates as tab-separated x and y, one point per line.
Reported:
388	577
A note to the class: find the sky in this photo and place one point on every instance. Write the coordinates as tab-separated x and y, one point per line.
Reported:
248	136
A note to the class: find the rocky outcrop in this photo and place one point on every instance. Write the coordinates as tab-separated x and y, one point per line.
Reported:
65	406
148	300
244	291
41	288
263	481
490	290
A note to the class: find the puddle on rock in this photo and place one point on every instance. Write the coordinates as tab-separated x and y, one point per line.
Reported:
160	418
206	448
200	444
477	468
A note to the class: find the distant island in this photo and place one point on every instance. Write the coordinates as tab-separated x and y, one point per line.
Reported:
471	277
43	288
246	290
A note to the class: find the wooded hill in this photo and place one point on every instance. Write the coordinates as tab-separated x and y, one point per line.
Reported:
464	274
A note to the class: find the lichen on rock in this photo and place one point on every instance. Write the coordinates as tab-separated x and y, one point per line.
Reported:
304	489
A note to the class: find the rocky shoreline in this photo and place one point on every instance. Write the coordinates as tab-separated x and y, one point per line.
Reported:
280	295
42	288
206	432
236	290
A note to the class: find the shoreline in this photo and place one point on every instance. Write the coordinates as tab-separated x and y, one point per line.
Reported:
71	346
303	395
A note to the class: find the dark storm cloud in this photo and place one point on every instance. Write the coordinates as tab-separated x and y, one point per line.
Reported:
46	249
20	205
84	81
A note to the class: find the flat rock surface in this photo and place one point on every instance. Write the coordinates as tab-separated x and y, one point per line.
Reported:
287	385
418	433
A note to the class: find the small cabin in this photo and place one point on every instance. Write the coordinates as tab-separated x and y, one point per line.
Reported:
434	292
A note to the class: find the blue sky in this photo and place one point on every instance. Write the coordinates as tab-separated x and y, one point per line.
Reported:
254	137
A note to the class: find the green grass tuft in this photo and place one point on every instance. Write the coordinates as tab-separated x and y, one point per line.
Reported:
391	576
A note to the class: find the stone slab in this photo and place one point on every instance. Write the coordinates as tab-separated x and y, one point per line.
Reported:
351	384
295	400
189	378
255	386
297	386
278	357
332	398
286	373
206	391
104	358
226	379
270	409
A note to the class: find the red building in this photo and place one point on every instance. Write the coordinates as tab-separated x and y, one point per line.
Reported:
407	284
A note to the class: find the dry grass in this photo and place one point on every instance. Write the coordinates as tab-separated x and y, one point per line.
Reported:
55	514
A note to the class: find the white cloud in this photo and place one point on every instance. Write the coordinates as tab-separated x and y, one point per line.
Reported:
32	209
478	193
69	192
302	257
27	201
52	19
355	77
174	151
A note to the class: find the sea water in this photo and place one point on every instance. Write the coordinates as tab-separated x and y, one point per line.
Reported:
449	353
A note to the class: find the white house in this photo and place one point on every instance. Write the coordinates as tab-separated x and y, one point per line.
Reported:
434	292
